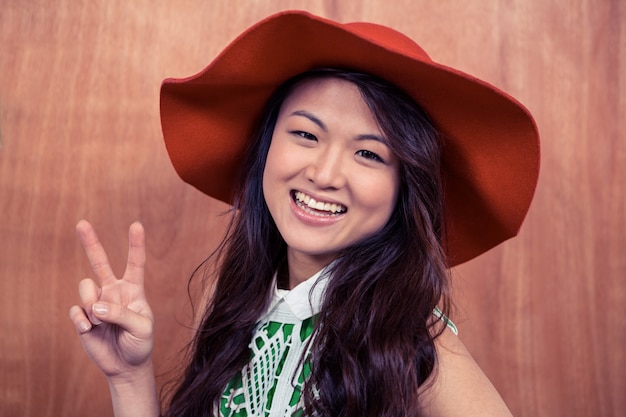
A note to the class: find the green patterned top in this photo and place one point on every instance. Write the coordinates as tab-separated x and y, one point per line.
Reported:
266	386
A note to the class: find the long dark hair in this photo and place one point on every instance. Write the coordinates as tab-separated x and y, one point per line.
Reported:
373	343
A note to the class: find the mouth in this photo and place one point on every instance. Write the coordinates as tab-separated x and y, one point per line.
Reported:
319	208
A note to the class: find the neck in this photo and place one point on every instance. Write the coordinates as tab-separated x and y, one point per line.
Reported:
301	267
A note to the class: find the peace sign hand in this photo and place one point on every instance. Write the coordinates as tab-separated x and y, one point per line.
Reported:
115	322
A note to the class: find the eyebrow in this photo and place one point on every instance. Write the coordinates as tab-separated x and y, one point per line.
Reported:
377	138
323	126
311	117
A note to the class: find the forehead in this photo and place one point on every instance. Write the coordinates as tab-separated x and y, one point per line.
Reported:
329	97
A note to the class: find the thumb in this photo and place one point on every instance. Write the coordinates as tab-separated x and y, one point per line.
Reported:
136	324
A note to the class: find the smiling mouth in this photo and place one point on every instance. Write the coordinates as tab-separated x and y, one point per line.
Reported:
310	205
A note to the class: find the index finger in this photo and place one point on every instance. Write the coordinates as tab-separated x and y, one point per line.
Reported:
95	252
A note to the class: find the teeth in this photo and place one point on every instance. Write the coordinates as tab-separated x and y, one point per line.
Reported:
307	201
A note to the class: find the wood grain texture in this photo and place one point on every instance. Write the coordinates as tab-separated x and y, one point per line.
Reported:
544	314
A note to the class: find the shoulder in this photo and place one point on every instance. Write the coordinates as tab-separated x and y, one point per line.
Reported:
458	387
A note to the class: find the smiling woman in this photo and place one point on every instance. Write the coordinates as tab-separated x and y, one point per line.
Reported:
332	287
323	131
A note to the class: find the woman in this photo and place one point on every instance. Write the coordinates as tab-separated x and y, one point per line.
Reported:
335	261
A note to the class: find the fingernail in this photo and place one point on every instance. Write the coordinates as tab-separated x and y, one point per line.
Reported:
84	327
100	309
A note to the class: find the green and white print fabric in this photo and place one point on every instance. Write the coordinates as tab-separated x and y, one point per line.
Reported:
271	384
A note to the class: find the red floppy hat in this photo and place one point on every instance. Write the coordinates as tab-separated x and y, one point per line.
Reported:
491	143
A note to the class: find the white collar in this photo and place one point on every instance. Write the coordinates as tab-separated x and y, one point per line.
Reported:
305	300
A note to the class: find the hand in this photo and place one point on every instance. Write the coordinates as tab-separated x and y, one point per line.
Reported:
115	322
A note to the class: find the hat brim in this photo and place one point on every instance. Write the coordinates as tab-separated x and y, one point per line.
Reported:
491	143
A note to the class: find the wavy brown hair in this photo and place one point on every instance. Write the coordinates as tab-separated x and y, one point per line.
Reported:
373	343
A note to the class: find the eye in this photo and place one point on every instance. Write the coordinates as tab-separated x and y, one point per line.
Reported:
369	155
304	135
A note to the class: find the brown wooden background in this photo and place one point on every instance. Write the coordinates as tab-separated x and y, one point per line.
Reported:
544	314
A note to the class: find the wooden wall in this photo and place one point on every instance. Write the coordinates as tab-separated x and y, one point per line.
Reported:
544	314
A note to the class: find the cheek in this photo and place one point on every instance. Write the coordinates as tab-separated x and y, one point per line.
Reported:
379	192
276	165
283	161
387	200
268	176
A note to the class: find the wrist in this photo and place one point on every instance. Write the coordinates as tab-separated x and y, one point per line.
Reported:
134	392
135	375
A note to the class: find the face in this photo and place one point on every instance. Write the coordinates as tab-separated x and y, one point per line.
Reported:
330	180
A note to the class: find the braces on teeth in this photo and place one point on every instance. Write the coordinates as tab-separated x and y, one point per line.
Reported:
306	201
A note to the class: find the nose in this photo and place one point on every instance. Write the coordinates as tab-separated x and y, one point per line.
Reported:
327	169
